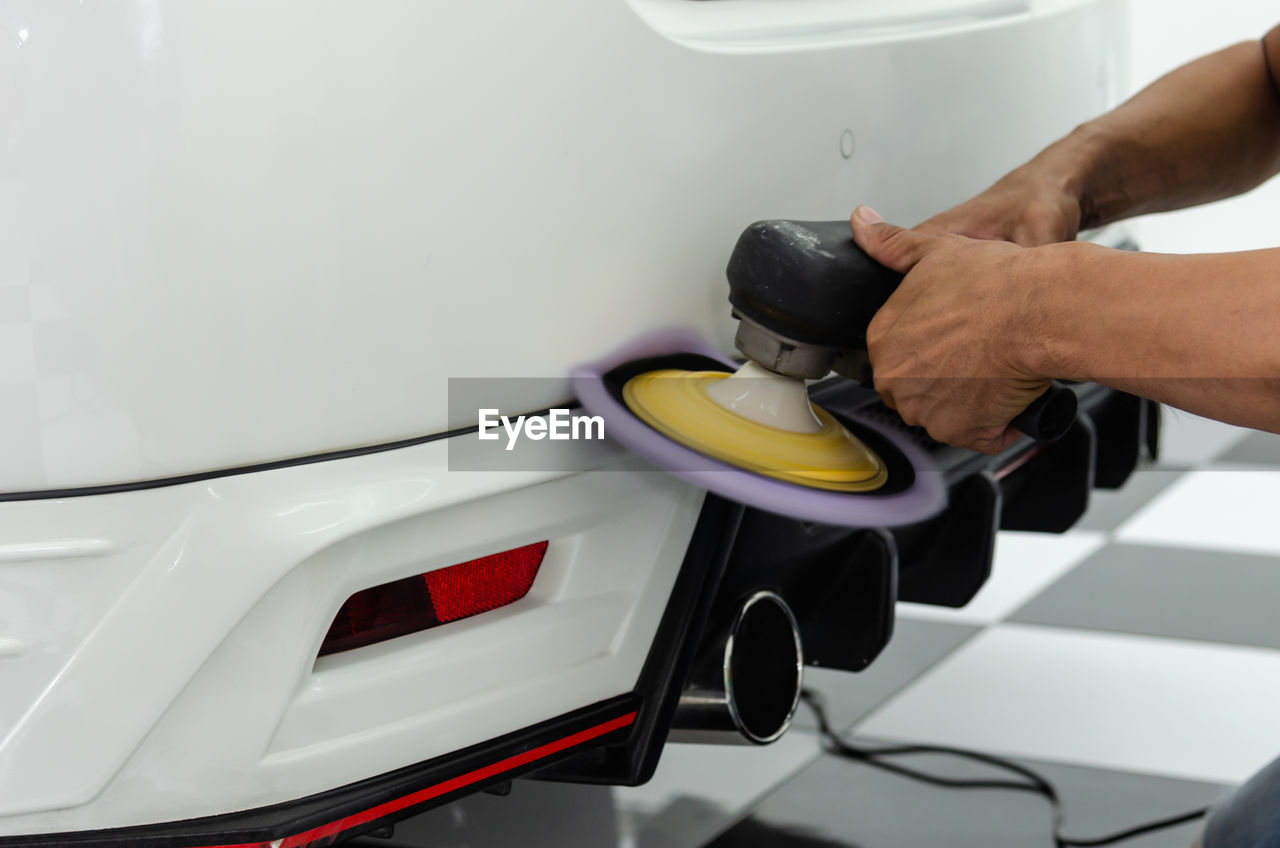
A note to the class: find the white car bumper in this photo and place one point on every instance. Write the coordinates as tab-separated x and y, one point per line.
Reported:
158	647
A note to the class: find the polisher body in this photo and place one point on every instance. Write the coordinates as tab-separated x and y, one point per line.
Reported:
804	293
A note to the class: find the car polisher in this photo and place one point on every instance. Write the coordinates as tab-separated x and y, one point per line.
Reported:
803	294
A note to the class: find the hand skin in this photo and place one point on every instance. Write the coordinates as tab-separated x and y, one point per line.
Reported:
1208	130
978	328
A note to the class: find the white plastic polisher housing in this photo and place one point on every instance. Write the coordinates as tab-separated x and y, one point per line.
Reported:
768	398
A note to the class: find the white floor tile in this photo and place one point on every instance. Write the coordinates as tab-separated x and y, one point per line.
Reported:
1025	563
1222	509
1137	703
1189	440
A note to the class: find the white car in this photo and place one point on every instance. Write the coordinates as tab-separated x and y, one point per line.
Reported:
244	247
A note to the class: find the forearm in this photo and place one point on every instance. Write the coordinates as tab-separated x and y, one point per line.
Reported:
1208	130
1148	324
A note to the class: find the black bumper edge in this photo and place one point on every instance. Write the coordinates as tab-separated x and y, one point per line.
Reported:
324	818
633	761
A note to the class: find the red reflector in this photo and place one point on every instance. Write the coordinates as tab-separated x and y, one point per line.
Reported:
437	597
481	585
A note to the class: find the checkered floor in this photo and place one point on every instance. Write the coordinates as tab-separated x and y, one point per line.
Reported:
1135	660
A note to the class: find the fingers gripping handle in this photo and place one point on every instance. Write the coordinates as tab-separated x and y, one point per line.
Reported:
809	282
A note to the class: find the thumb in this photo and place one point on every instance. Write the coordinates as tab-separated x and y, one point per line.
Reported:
894	247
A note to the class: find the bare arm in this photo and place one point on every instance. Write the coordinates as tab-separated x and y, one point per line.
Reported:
1164	334
1208	130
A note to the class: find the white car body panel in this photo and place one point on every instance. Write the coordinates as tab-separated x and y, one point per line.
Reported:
255	229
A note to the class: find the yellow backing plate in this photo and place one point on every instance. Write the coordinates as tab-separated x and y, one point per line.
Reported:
676	404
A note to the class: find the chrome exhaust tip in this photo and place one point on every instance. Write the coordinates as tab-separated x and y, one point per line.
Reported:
746	684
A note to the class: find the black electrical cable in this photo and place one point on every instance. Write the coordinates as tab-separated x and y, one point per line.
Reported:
1032	782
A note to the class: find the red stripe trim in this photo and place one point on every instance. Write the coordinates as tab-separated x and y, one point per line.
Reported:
1017	463
332	829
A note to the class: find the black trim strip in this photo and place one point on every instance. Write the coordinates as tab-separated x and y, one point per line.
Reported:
671	655
161	482
199	476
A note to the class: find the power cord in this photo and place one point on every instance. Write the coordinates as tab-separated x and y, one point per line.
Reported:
1032	782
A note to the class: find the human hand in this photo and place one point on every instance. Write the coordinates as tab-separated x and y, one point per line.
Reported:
951	348
1027	207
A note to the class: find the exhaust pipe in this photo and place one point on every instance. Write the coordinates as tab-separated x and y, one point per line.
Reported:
746	683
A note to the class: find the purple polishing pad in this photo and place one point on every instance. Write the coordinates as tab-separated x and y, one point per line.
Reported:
924	497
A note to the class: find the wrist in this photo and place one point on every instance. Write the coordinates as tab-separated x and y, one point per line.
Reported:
1056	284
1066	170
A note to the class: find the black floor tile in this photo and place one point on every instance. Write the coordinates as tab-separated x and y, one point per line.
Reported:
534	815
1108	509
840	804
1255	449
1181	593
916	646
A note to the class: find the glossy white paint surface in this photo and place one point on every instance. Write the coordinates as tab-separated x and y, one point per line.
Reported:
168	670
242	230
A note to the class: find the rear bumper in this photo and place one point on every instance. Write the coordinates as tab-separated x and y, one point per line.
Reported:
158	648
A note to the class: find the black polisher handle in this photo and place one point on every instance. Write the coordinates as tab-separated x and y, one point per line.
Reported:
1050	416
810	282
